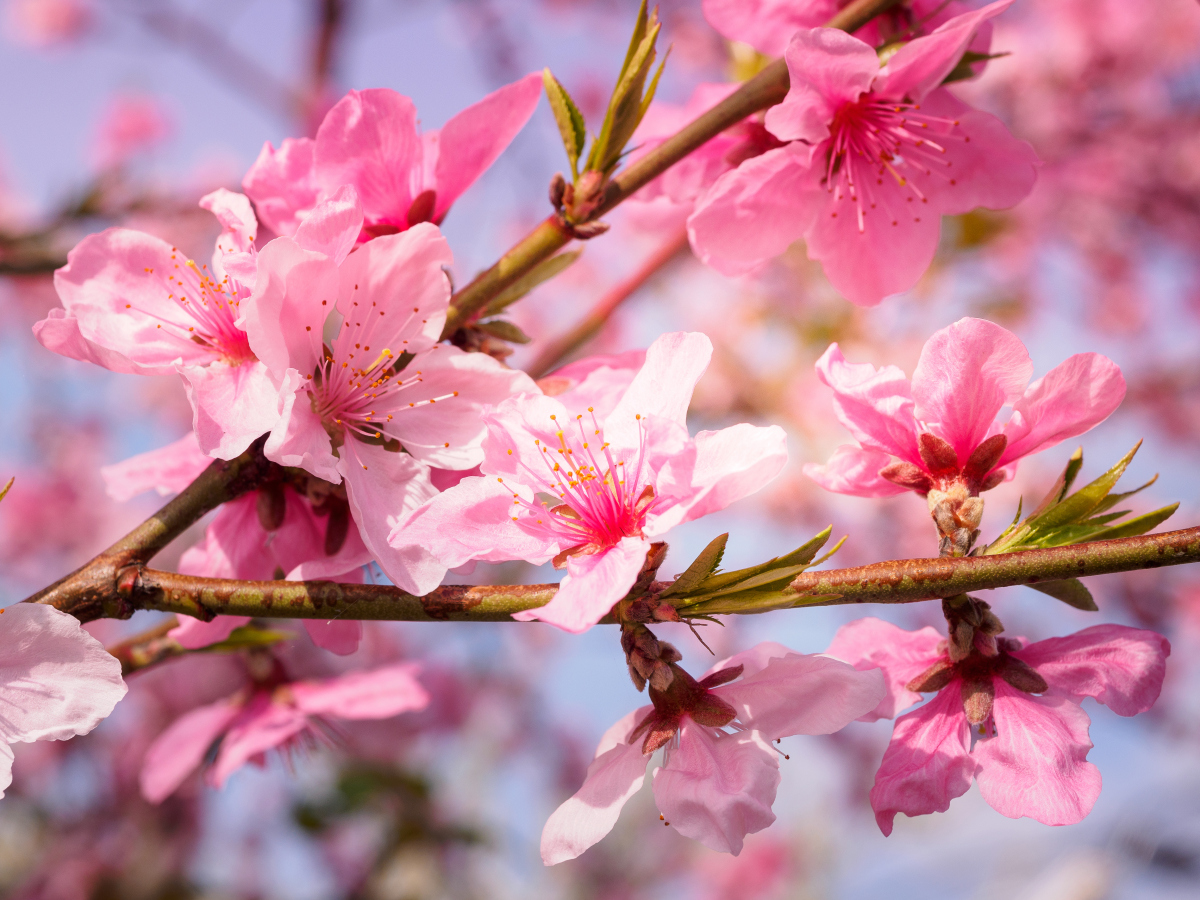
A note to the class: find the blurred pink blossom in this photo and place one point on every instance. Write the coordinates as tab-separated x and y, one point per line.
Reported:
46	23
130	124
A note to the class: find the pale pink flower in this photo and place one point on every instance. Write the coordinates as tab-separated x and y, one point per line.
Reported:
616	482
273	713
45	23
166	470
1032	758
133	303
874	158
714	786
131	124
56	680
371	140
942	428
354	341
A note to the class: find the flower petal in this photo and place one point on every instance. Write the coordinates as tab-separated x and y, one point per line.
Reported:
282	184
333	226
260	726
181	748
372	694
340	636
766	25
193	634
167	470
232	406
875	406
827	68
902	655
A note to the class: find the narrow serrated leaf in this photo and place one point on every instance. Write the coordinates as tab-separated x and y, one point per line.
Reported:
1070	591
1139	525
762	580
503	329
1062	484
652	89
1085	500
702	566
1113	499
540	273
570	121
802	555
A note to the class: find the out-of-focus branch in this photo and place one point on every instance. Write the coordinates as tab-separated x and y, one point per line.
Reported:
331	18
557	349
765	89
147	649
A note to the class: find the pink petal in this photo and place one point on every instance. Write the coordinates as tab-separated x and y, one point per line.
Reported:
383	488
594	582
1073	397
299	439
167	470
966	373
194	634
619	731
927	764
755	212
513	428
181	748
1036	765
239	227
299	547
7	758
282	184
828	68
852	470
234	546
902	655
372	694
716	788
369	139
59	333
613	777
57	680
874	405
1121	667
803	694
232	405
766	25
462	384
753	660
472	521
333	226
922	64
596	382
663	386
261	725
470	142
340	636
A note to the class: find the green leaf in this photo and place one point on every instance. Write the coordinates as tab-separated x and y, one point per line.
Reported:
1140	525
802	555
1113	499
1070	591
1085	500
503	329
249	636
750	602
963	70
570	120
702	566
543	271
1063	484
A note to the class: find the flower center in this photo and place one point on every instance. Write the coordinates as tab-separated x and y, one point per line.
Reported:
872	140
212	306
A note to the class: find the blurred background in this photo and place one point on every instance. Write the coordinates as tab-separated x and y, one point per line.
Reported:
127	111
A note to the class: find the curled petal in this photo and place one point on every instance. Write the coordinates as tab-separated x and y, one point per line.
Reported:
372	694
857	472
875	405
181	748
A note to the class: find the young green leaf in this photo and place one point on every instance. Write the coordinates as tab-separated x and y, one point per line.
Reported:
702	566
1070	591
570	120
1085	500
503	329
249	636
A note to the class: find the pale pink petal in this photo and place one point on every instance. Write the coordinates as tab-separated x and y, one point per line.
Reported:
59	333
299	547
235	545
716	788
756	211
282	184
855	471
1036	765
383	488
333	225
767	25
372	694
340	636
232	406
452	390
922	64
181	748
239	227
260	726
593	584
369	139
753	660
1073	397
594	382
663	386
1121	667
875	406
733	463
966	373
902	655
285	315
167	470
803	694
7	758
194	634
613	777
472	521
619	731
514	427
927	764
470	142
299	439
828	68
56	680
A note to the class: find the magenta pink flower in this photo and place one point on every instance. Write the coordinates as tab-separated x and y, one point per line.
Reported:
942	428
56	680
273	713
714	786
617	481
353	339
874	158
133	303
371	140
1025	700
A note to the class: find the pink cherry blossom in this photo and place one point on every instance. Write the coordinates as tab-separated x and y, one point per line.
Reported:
56	680
873	158
1025	700
354	340
942	428
714	786
273	713
133	303
132	124
370	139
620	480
